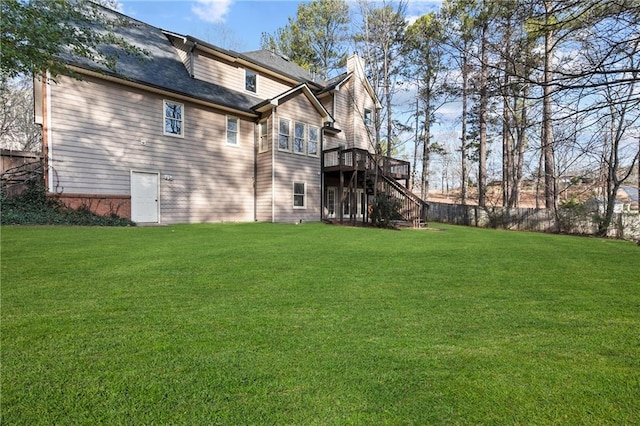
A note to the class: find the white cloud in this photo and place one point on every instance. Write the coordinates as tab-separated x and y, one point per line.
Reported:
410	20
417	8
213	11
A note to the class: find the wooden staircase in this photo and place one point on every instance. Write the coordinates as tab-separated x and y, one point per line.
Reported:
378	174
413	209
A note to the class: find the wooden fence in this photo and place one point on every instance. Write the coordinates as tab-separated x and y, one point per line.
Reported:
17	169
623	225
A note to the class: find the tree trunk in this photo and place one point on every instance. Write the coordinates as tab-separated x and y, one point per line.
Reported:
463	138
550	190
424	194
521	142
507	124
415	149
507	152
482	163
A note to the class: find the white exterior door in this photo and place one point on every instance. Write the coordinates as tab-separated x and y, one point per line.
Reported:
357	208
144	197
361	202
331	202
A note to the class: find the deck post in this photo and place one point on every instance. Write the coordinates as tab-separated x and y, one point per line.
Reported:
341	192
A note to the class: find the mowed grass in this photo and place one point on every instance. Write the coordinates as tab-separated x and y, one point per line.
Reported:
317	325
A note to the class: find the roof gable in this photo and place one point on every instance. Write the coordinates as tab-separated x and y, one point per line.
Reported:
304	89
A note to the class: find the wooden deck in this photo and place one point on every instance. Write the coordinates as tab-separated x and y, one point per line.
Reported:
356	159
354	170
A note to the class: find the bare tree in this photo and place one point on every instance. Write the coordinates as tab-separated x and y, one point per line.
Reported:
425	61
17	128
381	38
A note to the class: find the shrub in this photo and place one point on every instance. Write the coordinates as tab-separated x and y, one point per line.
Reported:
33	207
385	210
571	215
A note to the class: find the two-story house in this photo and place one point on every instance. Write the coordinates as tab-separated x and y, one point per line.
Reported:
196	133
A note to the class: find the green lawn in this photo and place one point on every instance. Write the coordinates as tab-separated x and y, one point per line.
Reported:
316	324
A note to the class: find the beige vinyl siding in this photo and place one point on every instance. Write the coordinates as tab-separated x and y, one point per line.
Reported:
219	71
297	169
183	53
264	178
269	88
362	135
102	131
343	119
291	167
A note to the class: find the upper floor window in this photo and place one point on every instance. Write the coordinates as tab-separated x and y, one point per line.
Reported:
312	143
250	81
298	140
232	131
264	137
284	134
367	117
173	118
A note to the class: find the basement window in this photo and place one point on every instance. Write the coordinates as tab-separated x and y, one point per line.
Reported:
299	195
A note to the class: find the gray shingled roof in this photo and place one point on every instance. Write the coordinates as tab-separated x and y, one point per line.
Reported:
163	68
335	82
283	65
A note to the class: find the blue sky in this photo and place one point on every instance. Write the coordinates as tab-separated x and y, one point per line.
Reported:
232	24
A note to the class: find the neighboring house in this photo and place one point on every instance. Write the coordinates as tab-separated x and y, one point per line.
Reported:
196	133
599	205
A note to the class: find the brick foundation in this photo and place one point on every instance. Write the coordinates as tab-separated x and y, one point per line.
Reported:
103	205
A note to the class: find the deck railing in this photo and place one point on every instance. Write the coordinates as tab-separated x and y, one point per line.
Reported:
360	159
412	208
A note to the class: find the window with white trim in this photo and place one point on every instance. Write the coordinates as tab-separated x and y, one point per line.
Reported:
264	136
298	138
232	131
173	118
367	117
299	195
284	135
250	81
312	143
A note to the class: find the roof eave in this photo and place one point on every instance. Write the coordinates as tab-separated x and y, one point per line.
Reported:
160	90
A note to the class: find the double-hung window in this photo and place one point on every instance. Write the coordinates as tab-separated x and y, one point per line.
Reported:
299	195
367	117
232	131
284	135
264	137
250	81
298	140
173	118
312	143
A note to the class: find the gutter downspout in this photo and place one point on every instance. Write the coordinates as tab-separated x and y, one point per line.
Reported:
47	137
256	129
273	165
321	175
